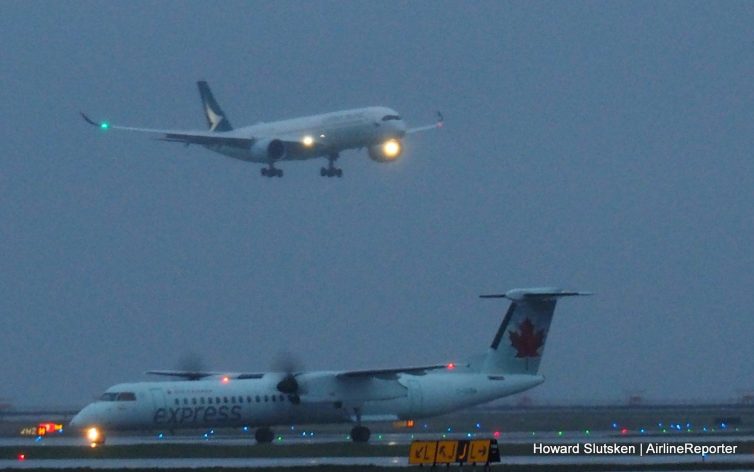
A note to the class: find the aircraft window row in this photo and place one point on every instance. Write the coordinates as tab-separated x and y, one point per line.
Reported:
390	117
118	397
232	399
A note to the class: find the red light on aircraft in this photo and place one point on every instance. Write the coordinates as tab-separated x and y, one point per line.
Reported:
451	366
22	457
225	379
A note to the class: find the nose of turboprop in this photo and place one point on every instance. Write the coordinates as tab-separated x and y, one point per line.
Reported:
83	418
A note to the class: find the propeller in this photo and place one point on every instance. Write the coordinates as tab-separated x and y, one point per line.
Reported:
290	365
191	363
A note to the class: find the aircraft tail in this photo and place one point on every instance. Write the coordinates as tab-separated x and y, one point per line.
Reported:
216	119
520	341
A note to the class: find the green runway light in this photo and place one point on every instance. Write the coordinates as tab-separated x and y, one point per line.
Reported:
104	125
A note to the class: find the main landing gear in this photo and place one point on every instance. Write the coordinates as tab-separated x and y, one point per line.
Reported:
331	170
360	434
264	435
272	171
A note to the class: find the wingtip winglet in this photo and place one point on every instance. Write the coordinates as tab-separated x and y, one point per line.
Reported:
89	120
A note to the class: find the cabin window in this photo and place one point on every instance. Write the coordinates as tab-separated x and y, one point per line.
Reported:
209	400
282	398
240	399
248	399
232	399
177	402
390	117
266	398
217	400
185	401
274	398
225	399
193	401
201	400
258	399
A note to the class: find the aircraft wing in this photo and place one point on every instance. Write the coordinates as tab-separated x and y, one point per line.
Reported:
388	373
178	136
438	124
198	375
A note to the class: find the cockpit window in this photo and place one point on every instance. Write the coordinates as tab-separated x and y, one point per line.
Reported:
390	117
108	397
118	397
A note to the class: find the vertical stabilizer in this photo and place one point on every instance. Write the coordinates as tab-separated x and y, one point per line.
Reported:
216	119
520	341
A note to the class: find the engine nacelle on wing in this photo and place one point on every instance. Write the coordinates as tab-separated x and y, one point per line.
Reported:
388	151
267	150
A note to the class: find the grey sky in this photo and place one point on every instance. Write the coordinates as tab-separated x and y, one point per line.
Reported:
595	146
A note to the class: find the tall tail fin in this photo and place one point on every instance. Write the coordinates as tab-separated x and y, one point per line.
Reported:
216	119
520	341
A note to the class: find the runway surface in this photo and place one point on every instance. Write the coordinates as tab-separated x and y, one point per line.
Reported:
322	446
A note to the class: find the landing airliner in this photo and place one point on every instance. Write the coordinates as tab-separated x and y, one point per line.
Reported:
263	400
379	129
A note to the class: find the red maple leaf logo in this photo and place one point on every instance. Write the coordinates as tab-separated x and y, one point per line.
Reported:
527	341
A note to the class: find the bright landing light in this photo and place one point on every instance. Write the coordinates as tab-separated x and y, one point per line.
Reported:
307	141
93	436
391	149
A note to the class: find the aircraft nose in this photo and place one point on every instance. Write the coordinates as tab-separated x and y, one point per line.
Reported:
82	418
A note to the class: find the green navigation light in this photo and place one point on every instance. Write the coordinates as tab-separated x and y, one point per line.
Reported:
104	125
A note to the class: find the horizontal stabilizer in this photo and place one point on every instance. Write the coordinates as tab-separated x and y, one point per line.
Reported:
542	293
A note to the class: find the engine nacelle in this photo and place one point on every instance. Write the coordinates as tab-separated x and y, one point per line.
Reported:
388	151
267	150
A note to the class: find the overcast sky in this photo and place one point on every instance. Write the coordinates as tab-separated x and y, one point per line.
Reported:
603	146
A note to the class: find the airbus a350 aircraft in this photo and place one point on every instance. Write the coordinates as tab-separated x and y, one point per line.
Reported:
379	129
262	400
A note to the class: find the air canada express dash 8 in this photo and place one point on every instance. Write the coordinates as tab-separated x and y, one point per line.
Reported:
263	400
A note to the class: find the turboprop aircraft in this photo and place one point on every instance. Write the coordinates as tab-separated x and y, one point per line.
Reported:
379	129
265	399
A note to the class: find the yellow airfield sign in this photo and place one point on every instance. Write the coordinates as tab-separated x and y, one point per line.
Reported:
448	451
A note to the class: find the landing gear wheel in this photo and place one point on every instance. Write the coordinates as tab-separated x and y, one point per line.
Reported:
360	434
331	170
264	435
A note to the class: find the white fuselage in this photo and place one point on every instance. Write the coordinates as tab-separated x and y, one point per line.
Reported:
324	398
330	133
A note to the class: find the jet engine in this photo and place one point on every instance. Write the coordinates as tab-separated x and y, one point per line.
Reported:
388	151
267	150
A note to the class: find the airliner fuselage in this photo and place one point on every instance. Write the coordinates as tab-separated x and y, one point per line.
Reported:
256	402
